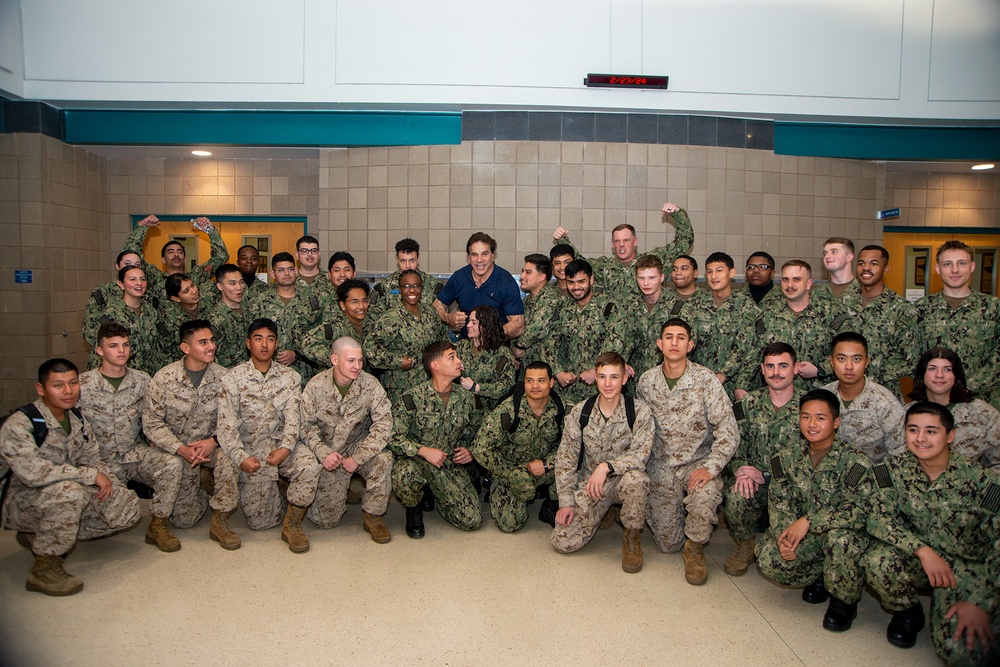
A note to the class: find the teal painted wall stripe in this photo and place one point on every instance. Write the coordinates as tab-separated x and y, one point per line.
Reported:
885	142
297	219
261	128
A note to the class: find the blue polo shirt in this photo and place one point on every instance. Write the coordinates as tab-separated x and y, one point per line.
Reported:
500	291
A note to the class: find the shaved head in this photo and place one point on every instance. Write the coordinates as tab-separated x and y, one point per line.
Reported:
345	343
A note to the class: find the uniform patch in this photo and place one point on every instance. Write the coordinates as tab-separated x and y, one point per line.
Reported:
608	309
776	471
437	288
502	364
838	322
408	402
759	326
98	296
380	290
854	475
215	332
314	302
162	329
991	499
678	306
882	477
105	320
505	421
328	330
738	411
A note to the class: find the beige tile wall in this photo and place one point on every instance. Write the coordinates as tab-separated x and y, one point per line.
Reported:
948	200
519	192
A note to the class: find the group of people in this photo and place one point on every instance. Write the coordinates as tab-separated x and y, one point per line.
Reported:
602	394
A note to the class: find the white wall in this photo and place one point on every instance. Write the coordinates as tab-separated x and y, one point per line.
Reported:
917	59
11	61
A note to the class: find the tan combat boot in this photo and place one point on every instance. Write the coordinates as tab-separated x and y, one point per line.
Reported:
373	526
737	564
610	517
222	533
158	533
291	529
695	572
632	550
48	576
353	497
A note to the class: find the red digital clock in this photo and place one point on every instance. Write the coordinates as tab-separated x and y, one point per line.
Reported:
626	81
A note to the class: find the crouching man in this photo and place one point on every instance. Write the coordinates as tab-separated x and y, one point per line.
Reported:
601	462
346	422
60	491
259	430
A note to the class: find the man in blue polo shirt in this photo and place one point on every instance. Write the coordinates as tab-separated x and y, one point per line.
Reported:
481	282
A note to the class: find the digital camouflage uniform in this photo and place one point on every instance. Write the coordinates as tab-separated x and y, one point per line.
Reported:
385	293
176	413
255	289
695	428
146	332
644	354
294	319
359	425
540	314
580	335
603	440
115	415
618	280
322	287
977	432
259	413
317	343
396	334
873	422
889	325
728	337
764	431
52	486
173	318
493	371
810	332
958	516
506	456
834	497
229	325
422	420
965	331
203	275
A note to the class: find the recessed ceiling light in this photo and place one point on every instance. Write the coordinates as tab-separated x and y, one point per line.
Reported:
201	153
981	167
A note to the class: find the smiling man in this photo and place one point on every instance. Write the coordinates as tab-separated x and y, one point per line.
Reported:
385	293
482	282
248	259
541	306
838	258
230	317
961	319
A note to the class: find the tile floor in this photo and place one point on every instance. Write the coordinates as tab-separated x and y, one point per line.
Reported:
452	598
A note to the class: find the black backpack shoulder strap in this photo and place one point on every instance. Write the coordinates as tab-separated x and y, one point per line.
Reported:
629	411
39	429
588	408
515	421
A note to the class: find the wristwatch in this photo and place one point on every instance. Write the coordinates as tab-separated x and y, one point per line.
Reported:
611	469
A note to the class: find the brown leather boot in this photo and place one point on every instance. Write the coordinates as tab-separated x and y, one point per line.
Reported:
632	550
373	526
353	497
609	517
739	562
222	533
26	540
48	576
695	572
291	529
207	480
158	533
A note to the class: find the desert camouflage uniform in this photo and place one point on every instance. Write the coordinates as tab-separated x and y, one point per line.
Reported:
579	336
396	334
977	432
958	516
176	413
294	319
873	422
618	280
493	371
764	431
834	497
540	313
115	416
422	420
695	428
972	332
507	455
230	328
203	276
889	325
728	339
52	487
259	413
809	332
385	293
359	425
603	440
146	333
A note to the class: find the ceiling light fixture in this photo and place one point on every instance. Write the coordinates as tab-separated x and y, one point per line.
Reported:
201	153
981	167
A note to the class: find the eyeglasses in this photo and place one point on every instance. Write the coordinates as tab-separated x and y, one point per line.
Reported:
758	267
285	269
411	287
309	251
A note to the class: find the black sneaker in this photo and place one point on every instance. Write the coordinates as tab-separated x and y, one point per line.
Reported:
905	625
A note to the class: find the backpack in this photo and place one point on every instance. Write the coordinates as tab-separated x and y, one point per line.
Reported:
588	408
510	424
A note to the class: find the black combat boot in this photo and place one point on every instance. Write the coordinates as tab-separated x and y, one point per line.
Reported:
905	625
415	522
